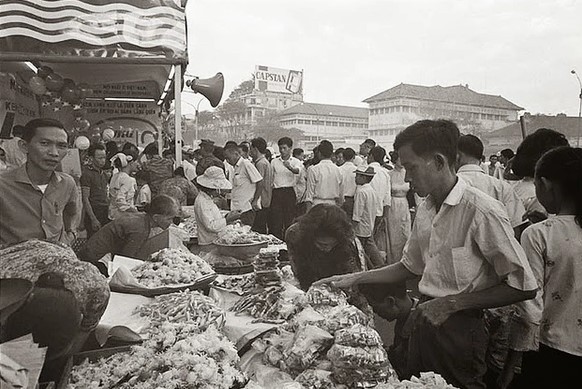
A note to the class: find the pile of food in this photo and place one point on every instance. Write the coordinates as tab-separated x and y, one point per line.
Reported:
263	305
427	380
241	285
237	234
171	267
190	226
189	307
266	268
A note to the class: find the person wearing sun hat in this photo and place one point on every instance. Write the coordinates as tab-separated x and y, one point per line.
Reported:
210	221
365	205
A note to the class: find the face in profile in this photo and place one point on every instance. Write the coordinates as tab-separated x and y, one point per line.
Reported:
47	148
421	172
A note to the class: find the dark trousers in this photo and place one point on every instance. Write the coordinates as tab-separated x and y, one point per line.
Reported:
455	350
348	206
260	223
283	211
248	218
548	368
375	257
101	213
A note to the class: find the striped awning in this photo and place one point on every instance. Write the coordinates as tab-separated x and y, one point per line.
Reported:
94	28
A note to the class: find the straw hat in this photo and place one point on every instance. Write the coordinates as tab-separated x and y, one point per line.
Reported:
214	178
369	171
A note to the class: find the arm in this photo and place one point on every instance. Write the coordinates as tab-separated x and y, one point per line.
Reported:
107	240
70	211
310	188
85	191
396	272
209	216
292	169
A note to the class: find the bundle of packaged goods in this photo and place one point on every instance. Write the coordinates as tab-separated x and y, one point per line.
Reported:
241	285
171	267
427	380
328	344
180	352
237	234
267	305
266	267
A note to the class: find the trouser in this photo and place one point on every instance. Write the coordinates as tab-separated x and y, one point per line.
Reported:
548	368
455	350
248	218
283	211
375	258
261	218
348	206
101	213
381	237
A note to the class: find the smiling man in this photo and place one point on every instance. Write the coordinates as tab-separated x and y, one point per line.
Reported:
35	200
463	247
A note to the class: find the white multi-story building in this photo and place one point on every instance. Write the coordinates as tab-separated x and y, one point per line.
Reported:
396	108
344	126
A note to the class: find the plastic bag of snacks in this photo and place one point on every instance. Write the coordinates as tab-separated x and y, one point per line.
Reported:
315	379
345	316
326	295
308	343
358	336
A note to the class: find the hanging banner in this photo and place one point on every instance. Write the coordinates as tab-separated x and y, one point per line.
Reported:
93	28
18	104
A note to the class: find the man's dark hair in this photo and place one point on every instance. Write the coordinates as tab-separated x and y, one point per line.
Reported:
378	153
18	130
179	172
339	151
128	146
431	136
111	148
533	147
231	147
151	149
260	144
297	152
285	141
162	205
244	147
471	146
219	152
370	142
325	148
230	143
94	147
349	154
32	126
507	153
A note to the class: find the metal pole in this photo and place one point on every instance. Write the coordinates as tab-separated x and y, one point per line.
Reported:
196	118
178	113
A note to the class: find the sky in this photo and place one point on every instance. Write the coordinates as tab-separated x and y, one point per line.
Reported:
350	50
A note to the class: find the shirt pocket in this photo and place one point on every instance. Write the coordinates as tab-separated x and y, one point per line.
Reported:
465	266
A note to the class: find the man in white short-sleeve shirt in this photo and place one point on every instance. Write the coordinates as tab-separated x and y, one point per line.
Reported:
324	179
463	247
244	184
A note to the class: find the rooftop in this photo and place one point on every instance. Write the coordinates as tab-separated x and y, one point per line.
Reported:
460	94
568	125
327	109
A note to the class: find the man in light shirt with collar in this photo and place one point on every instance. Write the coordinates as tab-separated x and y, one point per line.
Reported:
463	247
381	184
365	148
470	150
348	187
324	179
244	194
264	187
286	174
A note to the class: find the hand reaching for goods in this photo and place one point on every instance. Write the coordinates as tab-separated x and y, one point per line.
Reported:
341	281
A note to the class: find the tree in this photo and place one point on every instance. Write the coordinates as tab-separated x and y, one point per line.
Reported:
268	127
244	88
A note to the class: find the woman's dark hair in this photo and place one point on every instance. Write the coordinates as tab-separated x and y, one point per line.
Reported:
162	205
431	136
533	147
325	220
563	166
32	126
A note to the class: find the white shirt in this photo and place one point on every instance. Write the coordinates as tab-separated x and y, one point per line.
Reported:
554	249
323	182
189	170
121	194
365	205
244	184
498	189
301	185
348	170
285	178
208	219
467	246
381	184
360	161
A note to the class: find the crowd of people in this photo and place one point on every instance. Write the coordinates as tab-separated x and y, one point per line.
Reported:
494	248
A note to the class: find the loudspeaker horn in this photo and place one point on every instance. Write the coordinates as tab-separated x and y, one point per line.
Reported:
211	88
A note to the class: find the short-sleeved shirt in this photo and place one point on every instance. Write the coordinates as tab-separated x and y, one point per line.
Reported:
266	171
365	206
381	184
323	182
285	178
554	249
96	180
28	213
208	219
467	246
121	194
348	187
244	180
496	188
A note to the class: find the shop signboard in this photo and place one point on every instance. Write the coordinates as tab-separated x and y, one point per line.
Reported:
278	80
18	104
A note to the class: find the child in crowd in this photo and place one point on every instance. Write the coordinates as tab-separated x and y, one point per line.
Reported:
548	329
392	302
144	196
364	214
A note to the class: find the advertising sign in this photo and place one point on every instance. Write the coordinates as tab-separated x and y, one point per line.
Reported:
18	104
278	80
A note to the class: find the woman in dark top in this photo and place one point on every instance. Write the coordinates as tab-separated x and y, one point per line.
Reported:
322	243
